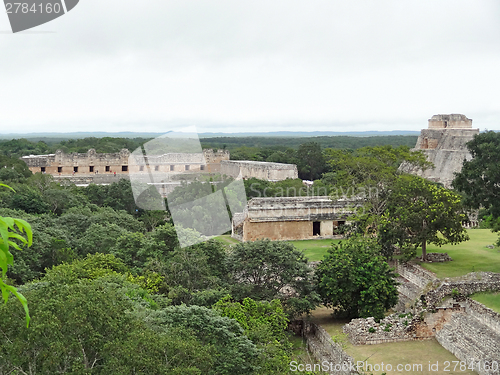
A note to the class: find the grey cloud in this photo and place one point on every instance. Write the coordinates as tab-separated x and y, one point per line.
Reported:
278	62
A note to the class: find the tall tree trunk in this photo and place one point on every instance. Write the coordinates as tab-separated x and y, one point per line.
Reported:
424	250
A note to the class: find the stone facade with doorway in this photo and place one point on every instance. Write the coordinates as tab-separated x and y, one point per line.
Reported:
292	218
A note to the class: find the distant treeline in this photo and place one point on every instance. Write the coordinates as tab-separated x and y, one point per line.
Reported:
20	147
339	142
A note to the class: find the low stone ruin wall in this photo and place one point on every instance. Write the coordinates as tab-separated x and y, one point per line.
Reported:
393	328
412	281
485	281
326	351
468	329
483	314
415	274
407	295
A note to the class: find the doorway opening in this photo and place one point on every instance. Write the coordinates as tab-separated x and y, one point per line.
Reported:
316	228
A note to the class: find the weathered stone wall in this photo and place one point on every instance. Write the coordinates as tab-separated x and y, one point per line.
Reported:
435	321
324	349
486	281
293	218
300	208
444	144
237	227
400	327
450	121
469	340
258	169
407	295
278	230
91	162
483	314
412	280
213	159
471	333
467	329
393	328
415	274
445	139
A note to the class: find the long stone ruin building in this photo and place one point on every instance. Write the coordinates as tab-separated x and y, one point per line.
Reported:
262	170
444	144
166	171
91	162
292	218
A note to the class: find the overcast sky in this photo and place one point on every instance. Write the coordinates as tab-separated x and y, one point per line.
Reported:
253	66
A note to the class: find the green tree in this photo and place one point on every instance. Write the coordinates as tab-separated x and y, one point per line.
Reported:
29	199
369	173
311	163
288	156
13	169
479	178
264	323
108	215
355	280
51	246
12	233
153	219
267	270
234	352
99	239
94	327
118	196
193	275
164	239
144	351
61	199
420	212
92	267
129	248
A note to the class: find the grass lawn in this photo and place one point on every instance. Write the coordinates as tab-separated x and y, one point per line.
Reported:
226	239
491	300
469	256
313	249
406	353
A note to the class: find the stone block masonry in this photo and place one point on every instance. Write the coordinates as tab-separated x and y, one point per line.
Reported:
258	169
485	281
456	121
468	338
468	329
91	162
393	328
415	274
444	144
325	350
292	218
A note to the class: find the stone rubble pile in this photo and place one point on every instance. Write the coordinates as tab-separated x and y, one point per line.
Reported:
438	257
395	327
